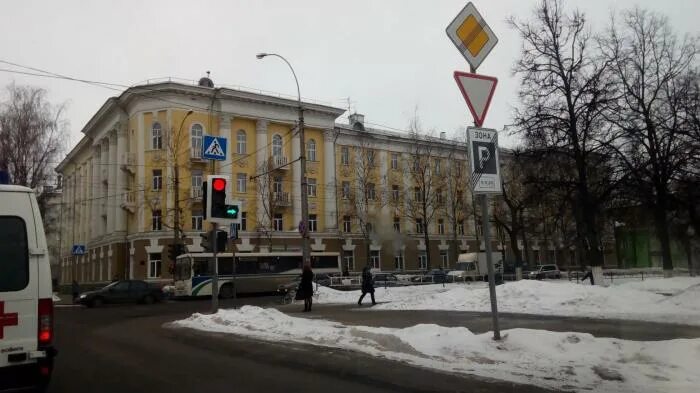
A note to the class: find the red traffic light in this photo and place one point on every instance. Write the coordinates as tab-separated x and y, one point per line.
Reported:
218	184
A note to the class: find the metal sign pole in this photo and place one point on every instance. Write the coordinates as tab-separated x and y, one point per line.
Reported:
215	276
484	199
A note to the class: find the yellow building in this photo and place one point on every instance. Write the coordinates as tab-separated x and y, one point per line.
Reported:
120	191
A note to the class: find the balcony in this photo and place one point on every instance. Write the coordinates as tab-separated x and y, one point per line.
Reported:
281	199
128	202
196	155
279	163
127	162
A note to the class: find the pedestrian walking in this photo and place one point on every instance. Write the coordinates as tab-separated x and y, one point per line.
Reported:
442	276
306	287
75	288
367	285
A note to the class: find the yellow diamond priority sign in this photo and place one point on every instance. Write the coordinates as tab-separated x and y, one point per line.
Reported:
471	35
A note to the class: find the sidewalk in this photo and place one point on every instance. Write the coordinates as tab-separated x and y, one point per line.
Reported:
479	322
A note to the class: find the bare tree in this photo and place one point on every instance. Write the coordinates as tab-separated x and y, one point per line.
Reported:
425	200
648	63
33	136
271	195
456	207
563	85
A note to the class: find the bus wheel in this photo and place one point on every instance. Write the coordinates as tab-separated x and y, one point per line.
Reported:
226	291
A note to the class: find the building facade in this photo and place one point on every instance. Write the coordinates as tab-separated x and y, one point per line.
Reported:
373	194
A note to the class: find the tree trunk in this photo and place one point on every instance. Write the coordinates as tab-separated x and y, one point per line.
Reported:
427	246
661	224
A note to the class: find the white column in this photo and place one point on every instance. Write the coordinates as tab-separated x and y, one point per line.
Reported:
296	180
225	131
140	173
104	188
112	169
121	181
95	218
260	157
331	216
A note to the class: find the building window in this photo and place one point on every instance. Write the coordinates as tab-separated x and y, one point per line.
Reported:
440	199
346	190
349	260
277	185
374	259
397	224
445	262
157	179
423	260
419	225
277	222
395	193
240	142
399	263
196	184
438	165
311	183
371	192
197	132
313	223
416	164
156	223
345	156
417	194
154	265
197	219
394	161
156	136
241	179
460	227
347	224
370	158
244	222
276	146
369	227
441	226
311	150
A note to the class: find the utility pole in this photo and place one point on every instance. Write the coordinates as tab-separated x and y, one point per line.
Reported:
215	276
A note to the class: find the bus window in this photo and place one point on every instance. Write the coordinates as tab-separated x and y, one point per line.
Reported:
246	265
225	266
325	262
200	267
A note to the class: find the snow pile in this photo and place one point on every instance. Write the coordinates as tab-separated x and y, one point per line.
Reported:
546	298
661	285
569	361
56	298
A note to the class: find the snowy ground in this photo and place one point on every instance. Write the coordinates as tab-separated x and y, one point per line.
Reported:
569	361
632	300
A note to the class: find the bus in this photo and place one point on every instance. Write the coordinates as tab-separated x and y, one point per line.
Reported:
254	272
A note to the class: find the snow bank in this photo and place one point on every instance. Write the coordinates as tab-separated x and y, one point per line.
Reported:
632	301
569	361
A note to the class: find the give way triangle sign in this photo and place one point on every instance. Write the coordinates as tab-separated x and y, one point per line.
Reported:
477	91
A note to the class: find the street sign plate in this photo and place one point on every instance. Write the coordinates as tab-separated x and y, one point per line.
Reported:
471	35
483	160
477	91
78	249
214	148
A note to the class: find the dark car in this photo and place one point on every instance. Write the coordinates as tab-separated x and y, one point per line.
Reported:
545	271
387	280
123	291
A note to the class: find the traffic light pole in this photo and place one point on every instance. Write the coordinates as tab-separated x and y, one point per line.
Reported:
306	253
215	275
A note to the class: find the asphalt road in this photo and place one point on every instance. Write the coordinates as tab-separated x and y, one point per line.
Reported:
126	349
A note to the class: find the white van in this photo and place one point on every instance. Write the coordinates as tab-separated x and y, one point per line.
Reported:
26	306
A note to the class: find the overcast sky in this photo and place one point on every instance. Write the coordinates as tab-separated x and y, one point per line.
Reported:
388	57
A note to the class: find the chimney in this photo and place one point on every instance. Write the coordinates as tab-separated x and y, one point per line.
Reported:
443	135
357	121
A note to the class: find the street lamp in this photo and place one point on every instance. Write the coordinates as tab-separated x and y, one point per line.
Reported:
303	227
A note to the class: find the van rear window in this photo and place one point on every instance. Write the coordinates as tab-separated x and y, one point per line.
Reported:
14	254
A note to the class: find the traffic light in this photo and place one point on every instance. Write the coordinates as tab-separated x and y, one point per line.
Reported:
216	201
175	250
221	240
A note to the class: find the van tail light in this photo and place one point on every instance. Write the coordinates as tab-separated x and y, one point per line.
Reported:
45	321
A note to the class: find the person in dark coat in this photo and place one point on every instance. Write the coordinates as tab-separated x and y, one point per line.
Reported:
367	285
589	274
75	288
307	287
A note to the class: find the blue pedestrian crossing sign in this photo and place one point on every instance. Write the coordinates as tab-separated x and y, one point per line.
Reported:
78	249
214	148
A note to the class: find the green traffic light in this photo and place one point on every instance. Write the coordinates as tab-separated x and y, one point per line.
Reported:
231	211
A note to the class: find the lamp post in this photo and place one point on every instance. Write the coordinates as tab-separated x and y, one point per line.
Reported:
302	161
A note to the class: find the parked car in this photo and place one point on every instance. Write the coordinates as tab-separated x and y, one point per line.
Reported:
545	271
122	291
387	280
